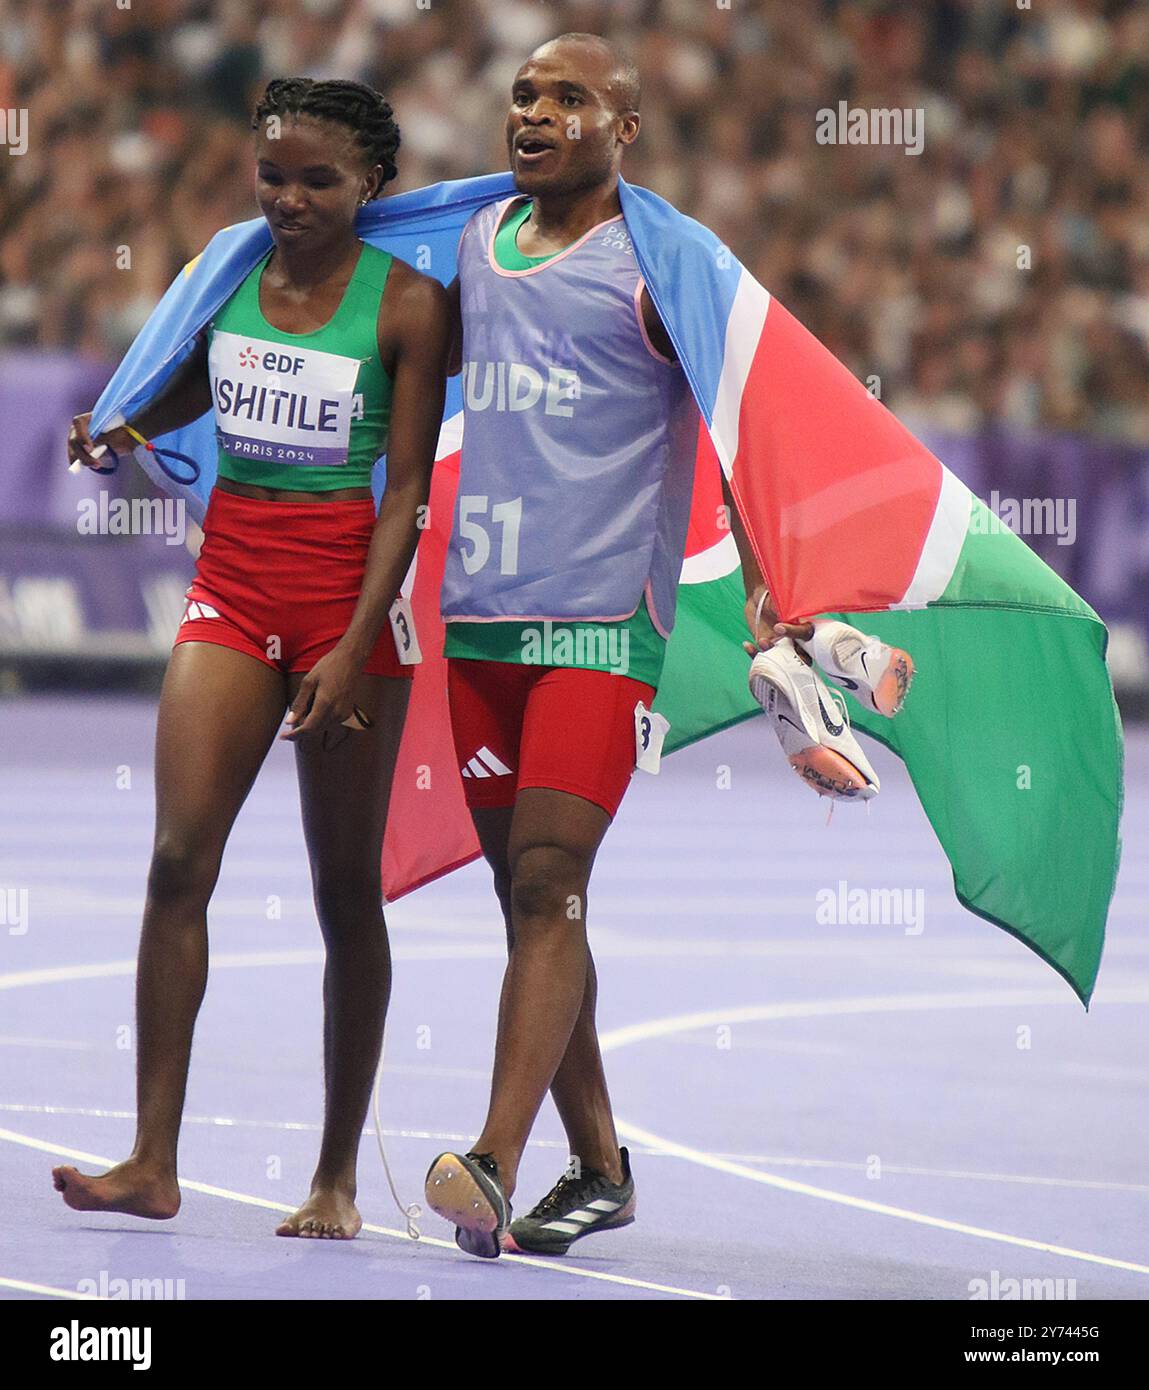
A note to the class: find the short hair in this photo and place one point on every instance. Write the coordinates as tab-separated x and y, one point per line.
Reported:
353	104
624	77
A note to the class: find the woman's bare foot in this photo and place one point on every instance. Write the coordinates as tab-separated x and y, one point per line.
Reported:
329	1213
129	1187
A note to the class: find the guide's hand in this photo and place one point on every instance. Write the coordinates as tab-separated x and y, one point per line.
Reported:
765	629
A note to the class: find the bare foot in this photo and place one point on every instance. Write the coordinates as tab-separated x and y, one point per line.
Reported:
128	1187
328	1214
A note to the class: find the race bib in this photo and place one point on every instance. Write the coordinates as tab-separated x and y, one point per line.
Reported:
281	404
403	626
650	730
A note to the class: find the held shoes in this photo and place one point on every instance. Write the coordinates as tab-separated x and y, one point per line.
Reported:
877	674
812	725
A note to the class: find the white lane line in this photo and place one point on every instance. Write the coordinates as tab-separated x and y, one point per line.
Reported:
241	960
23	1286
911	1170
864	1004
823	1008
454	1137
740	1170
227	1194
657	1028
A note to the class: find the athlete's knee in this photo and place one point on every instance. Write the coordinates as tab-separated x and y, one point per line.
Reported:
183	867
348	898
503	893
548	884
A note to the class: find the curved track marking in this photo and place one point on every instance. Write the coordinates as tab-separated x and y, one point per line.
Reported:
227	1194
895	1003
643	1032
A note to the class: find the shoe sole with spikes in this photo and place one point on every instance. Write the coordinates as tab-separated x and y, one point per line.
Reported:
458	1190
811	726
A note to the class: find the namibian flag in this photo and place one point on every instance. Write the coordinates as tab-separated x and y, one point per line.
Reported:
1011	734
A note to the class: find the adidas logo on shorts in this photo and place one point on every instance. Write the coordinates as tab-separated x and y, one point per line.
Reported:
196	609
486	764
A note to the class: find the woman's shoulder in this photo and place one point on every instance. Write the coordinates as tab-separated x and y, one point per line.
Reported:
415	308
414	286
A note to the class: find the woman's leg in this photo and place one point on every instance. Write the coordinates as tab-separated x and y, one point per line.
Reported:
344	792
219	711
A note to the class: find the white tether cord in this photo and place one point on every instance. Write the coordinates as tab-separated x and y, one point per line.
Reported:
410	1213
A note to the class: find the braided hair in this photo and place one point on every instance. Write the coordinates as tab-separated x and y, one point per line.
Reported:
352	104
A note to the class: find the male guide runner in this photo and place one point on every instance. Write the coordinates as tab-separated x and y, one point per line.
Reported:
574	497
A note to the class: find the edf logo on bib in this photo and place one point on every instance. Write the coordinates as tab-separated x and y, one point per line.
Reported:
280	362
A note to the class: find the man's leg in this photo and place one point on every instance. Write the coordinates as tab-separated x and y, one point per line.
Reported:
219	711
345	788
579	1087
553	840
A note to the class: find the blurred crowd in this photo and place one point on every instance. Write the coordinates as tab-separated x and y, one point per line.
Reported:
999	276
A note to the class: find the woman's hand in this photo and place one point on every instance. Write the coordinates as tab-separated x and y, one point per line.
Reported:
81	443
764	626
323	700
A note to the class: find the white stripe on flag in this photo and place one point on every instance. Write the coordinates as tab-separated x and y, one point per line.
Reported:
743	332
450	437
943	543
713	563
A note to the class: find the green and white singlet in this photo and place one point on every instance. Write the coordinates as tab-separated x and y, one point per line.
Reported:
307	412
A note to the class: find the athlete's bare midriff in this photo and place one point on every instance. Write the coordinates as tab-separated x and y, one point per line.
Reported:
279	494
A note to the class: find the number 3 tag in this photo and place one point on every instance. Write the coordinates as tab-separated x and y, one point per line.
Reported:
649	731
403	626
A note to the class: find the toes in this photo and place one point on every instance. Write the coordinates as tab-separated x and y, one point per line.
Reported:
314	1228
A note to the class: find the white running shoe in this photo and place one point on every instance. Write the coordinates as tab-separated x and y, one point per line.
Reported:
812	726
877	674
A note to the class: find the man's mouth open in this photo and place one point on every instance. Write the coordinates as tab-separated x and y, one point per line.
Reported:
529	150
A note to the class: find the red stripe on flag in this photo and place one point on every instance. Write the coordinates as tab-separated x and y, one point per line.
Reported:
705	530
837	494
429	830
